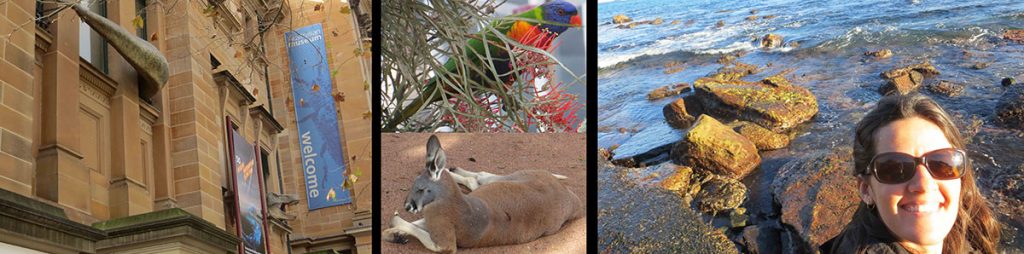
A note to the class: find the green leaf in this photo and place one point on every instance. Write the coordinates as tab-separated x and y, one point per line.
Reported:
210	10
138	22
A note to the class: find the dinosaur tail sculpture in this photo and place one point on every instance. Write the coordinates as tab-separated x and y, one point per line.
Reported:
143	56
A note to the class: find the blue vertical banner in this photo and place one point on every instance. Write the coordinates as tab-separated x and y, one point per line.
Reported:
323	163
249	199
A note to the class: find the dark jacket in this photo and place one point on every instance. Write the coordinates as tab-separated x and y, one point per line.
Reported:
879	238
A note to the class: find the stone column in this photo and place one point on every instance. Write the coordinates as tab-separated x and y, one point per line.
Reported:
60	176
195	132
128	188
163	180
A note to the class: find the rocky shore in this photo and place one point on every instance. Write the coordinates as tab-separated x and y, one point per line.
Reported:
714	139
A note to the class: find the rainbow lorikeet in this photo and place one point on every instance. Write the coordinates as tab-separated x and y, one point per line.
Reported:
536	27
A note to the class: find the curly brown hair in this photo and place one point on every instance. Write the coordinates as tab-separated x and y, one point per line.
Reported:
975	227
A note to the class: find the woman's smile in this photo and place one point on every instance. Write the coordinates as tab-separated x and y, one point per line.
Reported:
922	208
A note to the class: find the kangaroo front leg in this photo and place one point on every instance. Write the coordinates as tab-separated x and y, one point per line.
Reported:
481	177
468	181
400	225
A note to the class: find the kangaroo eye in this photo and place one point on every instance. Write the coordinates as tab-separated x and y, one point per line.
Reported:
428	191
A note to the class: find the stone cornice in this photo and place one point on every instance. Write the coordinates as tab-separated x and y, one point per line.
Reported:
34	219
96	84
226	79
262	113
163	224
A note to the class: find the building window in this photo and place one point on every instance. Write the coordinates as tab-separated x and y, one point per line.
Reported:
140	10
91	46
40	13
265	166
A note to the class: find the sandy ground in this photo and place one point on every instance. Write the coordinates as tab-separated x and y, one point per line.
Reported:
402	158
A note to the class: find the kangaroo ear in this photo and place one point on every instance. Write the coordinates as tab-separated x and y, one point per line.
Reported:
436	160
440	163
432	147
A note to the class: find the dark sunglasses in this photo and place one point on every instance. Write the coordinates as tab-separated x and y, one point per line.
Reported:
896	167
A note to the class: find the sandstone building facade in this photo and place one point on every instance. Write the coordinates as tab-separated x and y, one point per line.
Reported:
87	165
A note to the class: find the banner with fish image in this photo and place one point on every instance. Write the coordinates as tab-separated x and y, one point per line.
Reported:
323	163
248	197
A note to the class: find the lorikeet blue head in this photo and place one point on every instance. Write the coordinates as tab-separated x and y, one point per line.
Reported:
560	12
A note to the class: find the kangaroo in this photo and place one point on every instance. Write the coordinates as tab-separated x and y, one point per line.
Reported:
500	209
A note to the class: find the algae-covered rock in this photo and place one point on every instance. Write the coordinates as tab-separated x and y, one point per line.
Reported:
906	79
1010	110
879	54
763	138
817	194
669	90
773	103
677	116
1015	35
621	19
771	41
720	194
678	180
715	147
946	88
733	70
635	219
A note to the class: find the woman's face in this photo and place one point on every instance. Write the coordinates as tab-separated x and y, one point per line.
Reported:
920	211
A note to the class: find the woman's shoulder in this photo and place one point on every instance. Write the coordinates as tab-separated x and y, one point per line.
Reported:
841	245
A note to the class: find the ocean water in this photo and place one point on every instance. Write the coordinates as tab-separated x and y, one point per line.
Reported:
829	60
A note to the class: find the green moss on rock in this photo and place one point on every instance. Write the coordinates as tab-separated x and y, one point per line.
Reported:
773	103
713	146
763	138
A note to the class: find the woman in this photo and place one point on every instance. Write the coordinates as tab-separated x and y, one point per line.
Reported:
917	188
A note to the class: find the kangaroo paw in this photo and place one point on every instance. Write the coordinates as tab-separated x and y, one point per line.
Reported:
394	235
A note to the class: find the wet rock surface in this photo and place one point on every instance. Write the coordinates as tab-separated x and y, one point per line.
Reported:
647	147
678	180
906	79
1011	183
715	147
621	19
817	194
879	54
733	70
667	224
667	91
1010	111
763	138
773	103
771	41
947	88
720	194
676	115
1014	35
